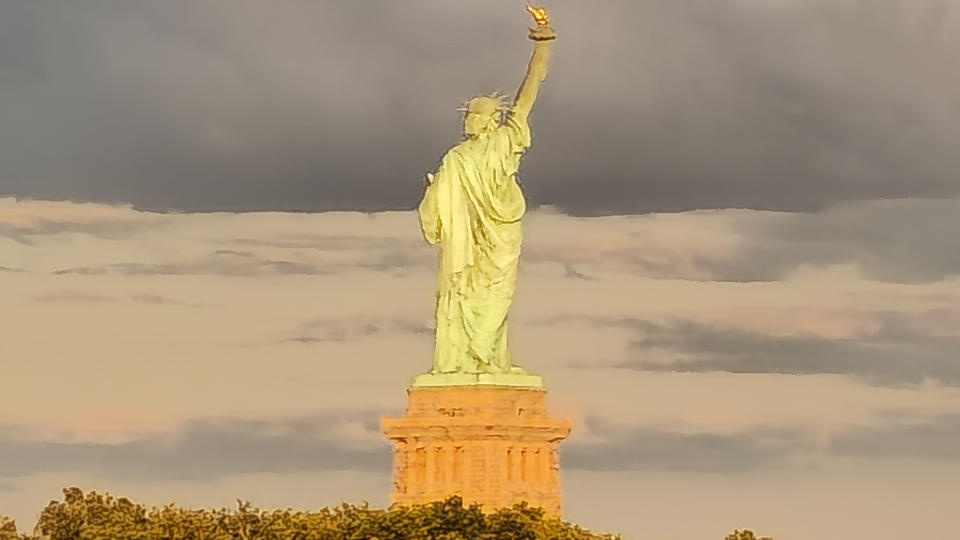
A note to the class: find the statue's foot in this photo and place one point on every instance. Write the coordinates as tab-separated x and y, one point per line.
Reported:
517	370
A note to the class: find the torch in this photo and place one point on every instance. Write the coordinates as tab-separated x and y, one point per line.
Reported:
542	31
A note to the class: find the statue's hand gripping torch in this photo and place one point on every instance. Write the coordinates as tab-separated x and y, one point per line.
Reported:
542	31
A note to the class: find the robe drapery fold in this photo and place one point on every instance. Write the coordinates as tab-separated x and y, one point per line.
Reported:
472	209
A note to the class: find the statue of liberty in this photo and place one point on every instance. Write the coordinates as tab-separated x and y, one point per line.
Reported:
471	209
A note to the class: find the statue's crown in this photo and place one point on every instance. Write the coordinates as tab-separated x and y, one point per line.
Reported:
495	102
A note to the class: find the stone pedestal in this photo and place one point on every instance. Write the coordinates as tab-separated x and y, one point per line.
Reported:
492	445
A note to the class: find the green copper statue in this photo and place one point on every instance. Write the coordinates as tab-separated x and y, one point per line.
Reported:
472	208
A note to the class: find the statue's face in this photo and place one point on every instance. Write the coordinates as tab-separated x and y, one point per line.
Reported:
475	123
482	116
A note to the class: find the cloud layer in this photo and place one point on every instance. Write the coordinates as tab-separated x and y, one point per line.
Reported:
226	354
898	351
207	449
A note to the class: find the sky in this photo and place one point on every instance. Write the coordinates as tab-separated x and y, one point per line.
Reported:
739	277
650	106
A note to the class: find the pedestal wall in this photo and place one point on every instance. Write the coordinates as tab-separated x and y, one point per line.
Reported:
492	445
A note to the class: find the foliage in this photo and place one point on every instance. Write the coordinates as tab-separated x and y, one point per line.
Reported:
98	516
8	529
745	534
7	526
95	516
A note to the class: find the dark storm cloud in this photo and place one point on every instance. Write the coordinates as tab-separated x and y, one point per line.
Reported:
378	253
649	105
936	438
212	448
343	242
156	299
896	240
641	448
106	229
73	296
905	349
217	266
235	263
81	270
895	354
348	328
618	448
571	273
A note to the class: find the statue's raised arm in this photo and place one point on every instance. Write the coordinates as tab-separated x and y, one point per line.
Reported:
542	35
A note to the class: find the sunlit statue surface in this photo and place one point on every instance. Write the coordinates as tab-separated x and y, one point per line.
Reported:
472	209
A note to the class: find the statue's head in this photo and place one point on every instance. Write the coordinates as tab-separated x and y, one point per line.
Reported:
483	114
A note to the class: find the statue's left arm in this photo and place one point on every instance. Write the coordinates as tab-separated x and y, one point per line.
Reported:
429	212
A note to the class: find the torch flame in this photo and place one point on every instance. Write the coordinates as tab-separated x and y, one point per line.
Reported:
539	14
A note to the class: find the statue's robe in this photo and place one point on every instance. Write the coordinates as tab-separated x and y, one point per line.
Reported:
472	209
